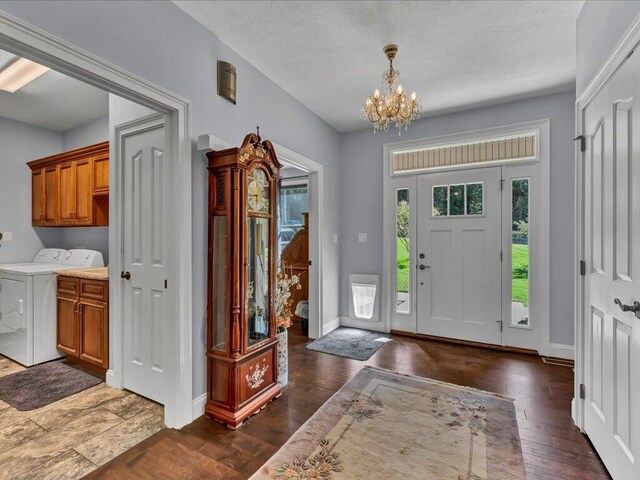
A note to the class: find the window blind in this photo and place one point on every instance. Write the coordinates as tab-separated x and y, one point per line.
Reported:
460	154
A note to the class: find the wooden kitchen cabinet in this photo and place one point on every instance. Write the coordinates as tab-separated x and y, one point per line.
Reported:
67	325
37	196
83	321
71	188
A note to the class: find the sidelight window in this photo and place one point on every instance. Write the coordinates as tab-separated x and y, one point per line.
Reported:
520	252
403	270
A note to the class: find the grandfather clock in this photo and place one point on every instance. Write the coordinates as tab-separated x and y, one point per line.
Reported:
241	317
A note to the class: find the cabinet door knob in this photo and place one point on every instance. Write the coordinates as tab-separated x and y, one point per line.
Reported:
125	275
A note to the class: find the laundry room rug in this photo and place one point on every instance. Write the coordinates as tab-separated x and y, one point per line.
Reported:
43	384
385	425
350	343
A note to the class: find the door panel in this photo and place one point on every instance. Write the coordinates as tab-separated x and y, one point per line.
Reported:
612	340
459	288
146	200
67	193
94	332
84	193
51	195
37	196
67	328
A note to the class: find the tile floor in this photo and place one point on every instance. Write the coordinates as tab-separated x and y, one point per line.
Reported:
70	438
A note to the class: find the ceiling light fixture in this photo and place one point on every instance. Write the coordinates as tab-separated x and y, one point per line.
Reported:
19	73
395	107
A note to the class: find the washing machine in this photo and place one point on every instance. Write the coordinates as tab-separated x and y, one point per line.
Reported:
28	303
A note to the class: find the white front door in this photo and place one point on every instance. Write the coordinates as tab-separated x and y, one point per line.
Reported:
459	249
612	256
145	271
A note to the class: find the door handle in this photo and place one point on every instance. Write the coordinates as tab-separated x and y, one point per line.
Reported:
635	308
125	275
422	267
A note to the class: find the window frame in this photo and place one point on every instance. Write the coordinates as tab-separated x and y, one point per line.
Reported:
465	214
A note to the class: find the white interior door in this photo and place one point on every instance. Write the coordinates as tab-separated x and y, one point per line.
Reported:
459	248
612	251
145	271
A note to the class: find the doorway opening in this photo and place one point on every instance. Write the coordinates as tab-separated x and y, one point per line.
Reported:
293	242
172	342
465	237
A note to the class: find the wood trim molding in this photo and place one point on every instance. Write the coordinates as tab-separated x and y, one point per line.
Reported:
98	148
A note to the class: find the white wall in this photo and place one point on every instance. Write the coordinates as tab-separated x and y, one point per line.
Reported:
90	133
600	25
361	193
20	143
161	43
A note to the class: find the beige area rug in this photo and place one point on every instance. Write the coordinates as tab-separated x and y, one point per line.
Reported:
383	425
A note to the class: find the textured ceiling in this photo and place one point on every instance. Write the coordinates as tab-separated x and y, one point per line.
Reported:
52	101
456	55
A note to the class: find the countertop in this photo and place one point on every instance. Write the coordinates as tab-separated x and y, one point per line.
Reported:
101	273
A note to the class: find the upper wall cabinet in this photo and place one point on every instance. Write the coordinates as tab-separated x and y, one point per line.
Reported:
72	188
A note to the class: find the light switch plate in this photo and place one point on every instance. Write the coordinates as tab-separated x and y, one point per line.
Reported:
7	236
335	238
362	237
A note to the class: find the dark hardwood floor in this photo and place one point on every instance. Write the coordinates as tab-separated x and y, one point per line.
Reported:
553	447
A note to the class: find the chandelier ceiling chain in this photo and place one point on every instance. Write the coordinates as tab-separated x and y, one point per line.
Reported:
394	107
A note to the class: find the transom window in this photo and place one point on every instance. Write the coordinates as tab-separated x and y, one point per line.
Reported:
458	200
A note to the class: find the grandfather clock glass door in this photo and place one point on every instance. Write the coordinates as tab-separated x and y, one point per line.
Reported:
258	309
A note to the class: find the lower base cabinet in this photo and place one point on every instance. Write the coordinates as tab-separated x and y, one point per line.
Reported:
83	321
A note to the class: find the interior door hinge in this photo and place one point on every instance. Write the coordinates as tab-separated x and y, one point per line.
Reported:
583	267
502	184
501	255
583	142
309	262
500	322
583	394
165	283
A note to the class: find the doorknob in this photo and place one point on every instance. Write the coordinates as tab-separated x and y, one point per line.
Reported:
422	267
635	308
125	275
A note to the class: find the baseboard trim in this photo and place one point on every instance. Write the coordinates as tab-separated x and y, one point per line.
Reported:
197	409
110	379
362	324
559	350
331	326
468	343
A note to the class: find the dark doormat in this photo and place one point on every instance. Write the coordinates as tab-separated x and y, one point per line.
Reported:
44	384
350	342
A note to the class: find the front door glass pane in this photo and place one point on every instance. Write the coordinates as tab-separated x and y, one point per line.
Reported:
456	199
440	201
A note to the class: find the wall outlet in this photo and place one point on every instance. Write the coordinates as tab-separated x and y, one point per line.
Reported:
362	237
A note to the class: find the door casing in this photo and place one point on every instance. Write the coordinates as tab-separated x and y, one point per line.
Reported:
27	41
393	181
628	42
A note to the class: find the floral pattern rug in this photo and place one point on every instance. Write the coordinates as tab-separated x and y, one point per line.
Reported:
384	425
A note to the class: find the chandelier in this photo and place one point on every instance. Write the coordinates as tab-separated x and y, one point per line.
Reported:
394	107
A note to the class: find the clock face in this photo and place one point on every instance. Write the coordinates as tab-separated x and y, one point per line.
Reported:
258	191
